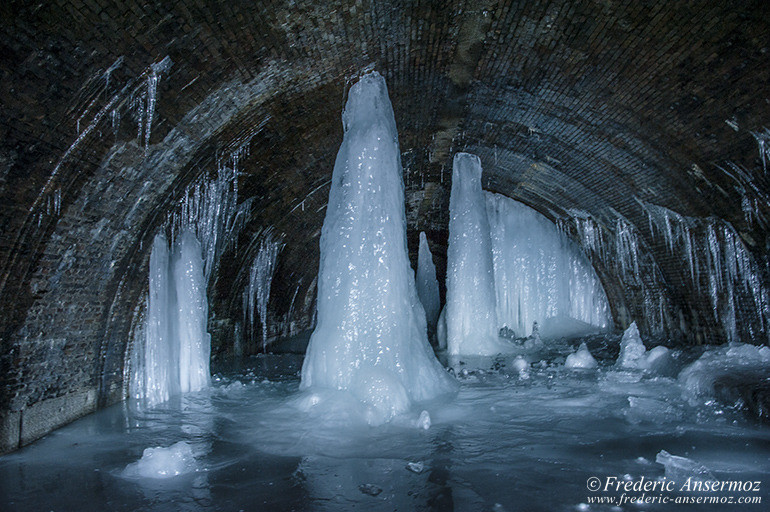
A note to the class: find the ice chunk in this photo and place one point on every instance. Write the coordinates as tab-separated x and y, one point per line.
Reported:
427	285
698	378
370	338
521	366
541	275
581	358
192	314
370	489
679	469
159	462
415	467
471	317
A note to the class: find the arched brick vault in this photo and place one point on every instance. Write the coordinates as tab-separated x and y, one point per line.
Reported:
595	107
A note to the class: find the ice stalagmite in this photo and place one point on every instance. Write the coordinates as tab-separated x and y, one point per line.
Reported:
427	285
370	339
173	354
192	313
471	318
156	373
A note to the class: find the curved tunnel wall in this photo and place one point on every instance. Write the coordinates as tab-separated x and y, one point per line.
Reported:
589	112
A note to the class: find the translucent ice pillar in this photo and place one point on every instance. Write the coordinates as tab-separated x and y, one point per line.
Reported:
370	339
192	313
427	285
471	317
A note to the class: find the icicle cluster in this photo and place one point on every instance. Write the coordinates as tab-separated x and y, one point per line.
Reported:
257	293
210	209
541	275
622	251
718	264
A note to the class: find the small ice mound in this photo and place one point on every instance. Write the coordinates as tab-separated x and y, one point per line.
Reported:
582	358
679	469
159	462
634	355
415	467
698	379
521	366
423	421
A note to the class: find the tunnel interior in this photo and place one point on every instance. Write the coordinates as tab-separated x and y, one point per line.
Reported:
639	129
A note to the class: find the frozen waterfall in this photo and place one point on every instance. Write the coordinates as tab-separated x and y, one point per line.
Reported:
427	285
471	317
541	275
370	339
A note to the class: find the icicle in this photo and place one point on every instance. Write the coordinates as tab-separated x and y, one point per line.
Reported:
260	282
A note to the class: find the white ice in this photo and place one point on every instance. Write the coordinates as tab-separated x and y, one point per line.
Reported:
173	354
697	379
541	275
160	462
680	469
471	315
634	355
192	314
581	358
370	339
155	370
427	285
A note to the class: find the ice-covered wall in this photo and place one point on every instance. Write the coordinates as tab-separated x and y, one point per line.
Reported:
540	275
370	339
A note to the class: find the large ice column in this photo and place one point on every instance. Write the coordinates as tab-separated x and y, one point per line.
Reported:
471	317
192	313
370	338
427	285
541	275
156	373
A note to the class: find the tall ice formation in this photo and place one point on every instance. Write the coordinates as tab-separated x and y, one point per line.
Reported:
471	316
370	339
173	355
427	285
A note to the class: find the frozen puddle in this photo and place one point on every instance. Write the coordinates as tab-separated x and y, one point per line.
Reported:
513	438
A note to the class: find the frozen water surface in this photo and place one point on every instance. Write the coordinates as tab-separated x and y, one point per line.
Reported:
504	442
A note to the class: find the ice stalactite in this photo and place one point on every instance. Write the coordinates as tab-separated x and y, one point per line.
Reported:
541	275
620	248
718	265
471	310
427	285
257	292
173	355
370	339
